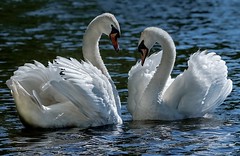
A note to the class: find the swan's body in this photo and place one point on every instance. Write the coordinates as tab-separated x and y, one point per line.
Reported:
69	92
153	95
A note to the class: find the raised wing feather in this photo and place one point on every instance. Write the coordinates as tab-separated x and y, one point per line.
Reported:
86	87
200	88
37	77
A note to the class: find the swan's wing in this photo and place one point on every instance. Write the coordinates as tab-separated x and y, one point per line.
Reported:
36	77
88	89
200	88
139	74
37	102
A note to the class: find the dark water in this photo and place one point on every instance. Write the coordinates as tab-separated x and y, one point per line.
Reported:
42	29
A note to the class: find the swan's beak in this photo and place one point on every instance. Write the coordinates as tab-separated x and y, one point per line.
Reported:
144	52
113	38
114	35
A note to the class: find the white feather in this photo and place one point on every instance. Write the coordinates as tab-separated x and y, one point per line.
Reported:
67	92
194	93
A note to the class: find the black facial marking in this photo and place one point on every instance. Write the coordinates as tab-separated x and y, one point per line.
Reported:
141	46
115	31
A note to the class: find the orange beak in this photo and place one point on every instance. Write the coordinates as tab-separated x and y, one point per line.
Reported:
113	38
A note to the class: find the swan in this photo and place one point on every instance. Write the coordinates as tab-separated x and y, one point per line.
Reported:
69	93
154	95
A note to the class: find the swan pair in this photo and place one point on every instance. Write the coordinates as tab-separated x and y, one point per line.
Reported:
72	93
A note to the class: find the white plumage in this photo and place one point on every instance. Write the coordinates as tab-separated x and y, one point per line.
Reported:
153	95
69	92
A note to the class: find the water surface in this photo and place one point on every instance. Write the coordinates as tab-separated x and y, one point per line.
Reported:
42	29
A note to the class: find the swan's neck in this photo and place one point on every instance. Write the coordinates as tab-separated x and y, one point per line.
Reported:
157	83
91	47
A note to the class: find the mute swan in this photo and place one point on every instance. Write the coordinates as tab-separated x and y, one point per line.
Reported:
68	92
153	95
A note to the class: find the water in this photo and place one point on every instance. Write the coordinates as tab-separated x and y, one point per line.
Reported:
42	29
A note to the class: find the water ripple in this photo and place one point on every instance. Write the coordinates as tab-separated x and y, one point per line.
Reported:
41	30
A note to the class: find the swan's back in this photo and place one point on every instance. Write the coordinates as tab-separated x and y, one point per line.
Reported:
200	88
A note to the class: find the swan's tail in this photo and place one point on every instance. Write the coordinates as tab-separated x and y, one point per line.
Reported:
29	106
34	96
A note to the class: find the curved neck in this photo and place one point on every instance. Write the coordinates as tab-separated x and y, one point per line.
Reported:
160	77
91	47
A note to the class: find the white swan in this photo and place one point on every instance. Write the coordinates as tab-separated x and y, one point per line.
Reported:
153	95
68	92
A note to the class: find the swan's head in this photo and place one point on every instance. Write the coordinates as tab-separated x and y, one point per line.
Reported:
108	25
146	42
149	37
